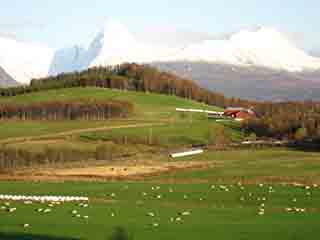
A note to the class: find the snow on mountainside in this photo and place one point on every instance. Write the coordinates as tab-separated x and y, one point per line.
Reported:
24	61
115	45
264	47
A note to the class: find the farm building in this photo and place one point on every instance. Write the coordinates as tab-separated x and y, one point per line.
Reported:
239	114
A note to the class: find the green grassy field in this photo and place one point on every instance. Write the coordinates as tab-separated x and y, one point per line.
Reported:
251	165
181	132
13	129
216	211
148	108
147	105
219	206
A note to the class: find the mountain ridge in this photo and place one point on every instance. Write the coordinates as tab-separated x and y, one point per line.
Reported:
247	51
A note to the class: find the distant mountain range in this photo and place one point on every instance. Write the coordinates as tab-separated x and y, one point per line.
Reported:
255	83
259	64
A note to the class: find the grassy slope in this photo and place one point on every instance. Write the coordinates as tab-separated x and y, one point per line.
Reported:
187	129
181	132
148	107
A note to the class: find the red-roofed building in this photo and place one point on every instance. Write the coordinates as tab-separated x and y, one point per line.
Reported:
239	114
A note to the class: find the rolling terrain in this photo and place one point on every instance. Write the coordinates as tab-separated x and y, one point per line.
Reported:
123	167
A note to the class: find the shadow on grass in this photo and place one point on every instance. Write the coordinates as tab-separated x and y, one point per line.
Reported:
305	146
25	236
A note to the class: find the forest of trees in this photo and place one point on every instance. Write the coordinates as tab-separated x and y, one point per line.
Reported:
71	110
13	158
277	120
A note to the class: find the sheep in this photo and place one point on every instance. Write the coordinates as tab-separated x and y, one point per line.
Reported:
47	210
11	210
155	224
26	225
74	212
150	214
185	213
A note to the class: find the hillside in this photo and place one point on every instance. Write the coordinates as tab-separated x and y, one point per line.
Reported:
154	124
254	82
147	105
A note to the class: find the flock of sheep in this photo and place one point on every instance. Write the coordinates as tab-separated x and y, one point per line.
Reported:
52	201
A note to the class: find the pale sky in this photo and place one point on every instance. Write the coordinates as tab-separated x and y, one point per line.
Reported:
62	23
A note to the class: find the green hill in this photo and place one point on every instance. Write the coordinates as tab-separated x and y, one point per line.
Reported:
148	105
153	123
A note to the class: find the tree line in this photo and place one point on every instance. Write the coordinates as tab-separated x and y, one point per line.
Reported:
66	110
280	120
13	158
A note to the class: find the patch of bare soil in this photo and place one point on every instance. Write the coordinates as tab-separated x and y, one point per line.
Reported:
110	172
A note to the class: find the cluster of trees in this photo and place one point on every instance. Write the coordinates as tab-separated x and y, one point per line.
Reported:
12	158
124	77
281	120
287	120
66	110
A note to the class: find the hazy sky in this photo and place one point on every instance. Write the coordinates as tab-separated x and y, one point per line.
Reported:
59	23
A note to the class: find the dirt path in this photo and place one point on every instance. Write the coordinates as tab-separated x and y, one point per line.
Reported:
76	131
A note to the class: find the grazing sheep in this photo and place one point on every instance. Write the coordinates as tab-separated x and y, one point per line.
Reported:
26	225
151	214
47	210
185	213
11	210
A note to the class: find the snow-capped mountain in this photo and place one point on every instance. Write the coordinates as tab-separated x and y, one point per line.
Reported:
115	45
264	47
245	59
24	61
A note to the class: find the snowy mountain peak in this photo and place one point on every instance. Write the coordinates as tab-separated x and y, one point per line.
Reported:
114	44
265	47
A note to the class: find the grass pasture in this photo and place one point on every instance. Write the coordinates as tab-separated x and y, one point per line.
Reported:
182	132
232	199
216	211
239	194
147	105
